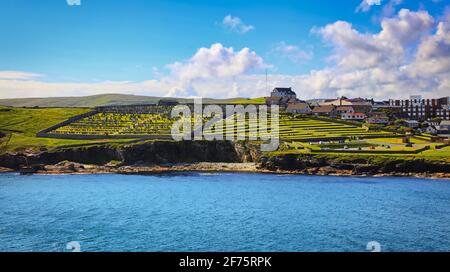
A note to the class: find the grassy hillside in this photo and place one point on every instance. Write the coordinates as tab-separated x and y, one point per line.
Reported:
19	127
107	100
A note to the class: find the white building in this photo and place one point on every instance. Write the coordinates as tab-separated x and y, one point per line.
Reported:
353	116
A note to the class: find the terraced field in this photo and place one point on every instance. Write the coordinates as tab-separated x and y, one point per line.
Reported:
121	124
159	125
307	129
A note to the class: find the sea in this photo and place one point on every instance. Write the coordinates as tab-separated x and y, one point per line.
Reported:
225	212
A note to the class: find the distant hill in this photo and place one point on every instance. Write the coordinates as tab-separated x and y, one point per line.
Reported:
106	100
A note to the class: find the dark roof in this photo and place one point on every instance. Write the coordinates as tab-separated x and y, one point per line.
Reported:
285	91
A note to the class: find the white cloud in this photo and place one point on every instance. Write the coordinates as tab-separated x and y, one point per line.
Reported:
367	4
17	75
390	8
433	53
73	2
353	49
216	62
236	24
402	59
292	52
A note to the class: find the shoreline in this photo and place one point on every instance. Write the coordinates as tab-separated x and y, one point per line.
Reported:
81	169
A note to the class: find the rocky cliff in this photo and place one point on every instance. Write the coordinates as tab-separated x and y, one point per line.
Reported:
160	153
360	166
147	153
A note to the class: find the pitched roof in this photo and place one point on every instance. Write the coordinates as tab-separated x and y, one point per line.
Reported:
344	108
297	106
346	102
323	109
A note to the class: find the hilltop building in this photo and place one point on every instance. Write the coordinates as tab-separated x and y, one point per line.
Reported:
328	110
284	92
282	97
377	118
299	108
421	109
412	124
344	109
353	116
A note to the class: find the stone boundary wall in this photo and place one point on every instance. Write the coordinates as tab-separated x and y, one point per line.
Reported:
45	133
401	152
327	139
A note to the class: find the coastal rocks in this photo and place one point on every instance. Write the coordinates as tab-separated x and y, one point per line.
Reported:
291	162
306	164
247	152
366	169
152	152
160	156
12	160
98	155
179	152
6	170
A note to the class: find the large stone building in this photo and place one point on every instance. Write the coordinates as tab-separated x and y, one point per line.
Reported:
284	92
422	109
282	97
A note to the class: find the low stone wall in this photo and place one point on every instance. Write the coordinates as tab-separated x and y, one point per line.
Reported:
375	152
45	133
102	137
328	139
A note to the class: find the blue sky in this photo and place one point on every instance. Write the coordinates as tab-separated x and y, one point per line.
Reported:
137	40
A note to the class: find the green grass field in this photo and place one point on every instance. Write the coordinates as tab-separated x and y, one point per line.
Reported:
21	125
301	135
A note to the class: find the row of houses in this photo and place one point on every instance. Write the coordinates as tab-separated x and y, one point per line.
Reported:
415	108
347	109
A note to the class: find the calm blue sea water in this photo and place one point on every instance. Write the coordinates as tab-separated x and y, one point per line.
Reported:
223	212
